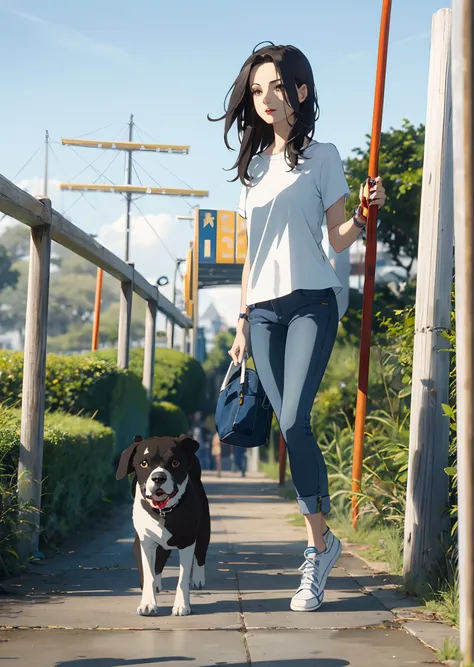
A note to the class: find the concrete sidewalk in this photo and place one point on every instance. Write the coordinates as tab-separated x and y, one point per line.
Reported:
79	609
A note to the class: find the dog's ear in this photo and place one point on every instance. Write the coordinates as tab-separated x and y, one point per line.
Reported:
189	445
125	466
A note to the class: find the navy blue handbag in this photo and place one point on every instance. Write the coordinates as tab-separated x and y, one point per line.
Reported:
243	411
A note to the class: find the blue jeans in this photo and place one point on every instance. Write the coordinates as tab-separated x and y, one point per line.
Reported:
240	459
292	338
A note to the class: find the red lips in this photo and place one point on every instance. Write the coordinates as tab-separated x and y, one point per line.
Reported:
270	111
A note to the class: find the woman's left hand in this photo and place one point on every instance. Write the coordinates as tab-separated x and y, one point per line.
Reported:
377	195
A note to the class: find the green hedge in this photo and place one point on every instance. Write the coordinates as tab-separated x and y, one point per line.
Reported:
179	378
78	473
167	419
84	385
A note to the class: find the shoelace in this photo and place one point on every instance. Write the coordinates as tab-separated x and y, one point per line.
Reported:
310	570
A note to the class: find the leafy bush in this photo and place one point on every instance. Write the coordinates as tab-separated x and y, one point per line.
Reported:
84	385
78	473
179	378
167	419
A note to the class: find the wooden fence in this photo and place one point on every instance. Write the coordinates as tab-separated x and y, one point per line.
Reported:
46	225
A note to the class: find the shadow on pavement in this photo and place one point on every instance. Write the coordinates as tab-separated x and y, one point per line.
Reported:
120	662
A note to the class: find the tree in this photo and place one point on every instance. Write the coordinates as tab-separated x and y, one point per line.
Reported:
8	275
13	304
401	168
16	241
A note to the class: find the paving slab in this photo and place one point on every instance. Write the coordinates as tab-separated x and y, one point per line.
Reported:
70	648
337	648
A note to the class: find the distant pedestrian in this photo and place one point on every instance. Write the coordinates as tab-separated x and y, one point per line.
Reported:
240	460
216	453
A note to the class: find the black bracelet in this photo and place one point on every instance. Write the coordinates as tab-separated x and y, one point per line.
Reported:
243	316
355	221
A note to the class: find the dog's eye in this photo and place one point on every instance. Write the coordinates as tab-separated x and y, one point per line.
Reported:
175	464
144	464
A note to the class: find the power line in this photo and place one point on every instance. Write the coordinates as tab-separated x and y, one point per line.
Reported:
27	162
136	172
106	127
149	175
98	177
154	230
166	168
89	164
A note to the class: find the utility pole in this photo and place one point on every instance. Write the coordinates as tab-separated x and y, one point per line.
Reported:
129	194
46	155
128	189
170	332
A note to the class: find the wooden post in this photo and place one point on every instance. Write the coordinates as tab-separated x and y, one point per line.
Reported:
184	340
98	297
125	319
426	526
30	467
463	133
150	345
282	462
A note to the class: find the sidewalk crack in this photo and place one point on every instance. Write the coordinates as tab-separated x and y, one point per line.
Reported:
243	627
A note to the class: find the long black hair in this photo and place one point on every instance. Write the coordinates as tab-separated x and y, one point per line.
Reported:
255	134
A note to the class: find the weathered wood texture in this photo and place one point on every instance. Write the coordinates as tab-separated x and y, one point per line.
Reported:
426	526
34	373
150	345
463	126
125	322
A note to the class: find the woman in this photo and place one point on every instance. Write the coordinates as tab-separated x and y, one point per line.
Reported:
289	305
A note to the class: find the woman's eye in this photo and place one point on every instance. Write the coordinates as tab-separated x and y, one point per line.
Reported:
256	92
278	88
144	464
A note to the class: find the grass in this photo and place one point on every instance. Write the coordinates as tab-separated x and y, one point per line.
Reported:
450	651
445	602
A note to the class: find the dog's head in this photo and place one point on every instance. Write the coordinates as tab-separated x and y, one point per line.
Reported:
160	464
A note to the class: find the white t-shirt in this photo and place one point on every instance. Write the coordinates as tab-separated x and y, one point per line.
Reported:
285	210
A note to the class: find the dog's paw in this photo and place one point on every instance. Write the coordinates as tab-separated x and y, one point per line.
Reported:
199	576
181	610
147	609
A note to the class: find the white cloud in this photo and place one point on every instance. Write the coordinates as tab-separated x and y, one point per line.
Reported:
152	260
35	186
71	39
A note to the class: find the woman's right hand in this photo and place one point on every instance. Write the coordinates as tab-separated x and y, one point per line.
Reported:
239	346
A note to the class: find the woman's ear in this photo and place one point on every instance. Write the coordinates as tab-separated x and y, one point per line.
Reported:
125	466
189	445
302	93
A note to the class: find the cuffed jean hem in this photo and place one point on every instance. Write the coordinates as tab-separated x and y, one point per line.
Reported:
314	504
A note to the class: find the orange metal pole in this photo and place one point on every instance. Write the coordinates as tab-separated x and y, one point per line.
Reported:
98	296
370	263
282	461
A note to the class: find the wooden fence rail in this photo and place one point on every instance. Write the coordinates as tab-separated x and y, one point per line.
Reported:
48	225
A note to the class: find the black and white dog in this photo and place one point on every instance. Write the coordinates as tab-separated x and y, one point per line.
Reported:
170	511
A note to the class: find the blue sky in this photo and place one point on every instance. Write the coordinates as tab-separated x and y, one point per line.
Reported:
75	67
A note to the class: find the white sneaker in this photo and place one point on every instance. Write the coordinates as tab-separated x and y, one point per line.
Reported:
316	569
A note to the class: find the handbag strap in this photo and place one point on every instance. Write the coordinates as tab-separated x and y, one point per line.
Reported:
230	371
